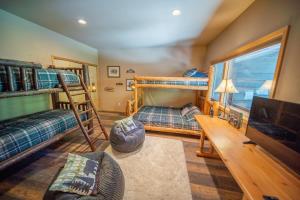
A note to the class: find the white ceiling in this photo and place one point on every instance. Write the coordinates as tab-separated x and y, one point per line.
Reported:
131	23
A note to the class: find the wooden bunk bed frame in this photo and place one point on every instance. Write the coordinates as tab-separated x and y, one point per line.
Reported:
56	103
134	105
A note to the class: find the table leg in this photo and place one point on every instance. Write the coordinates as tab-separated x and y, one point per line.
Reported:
201	152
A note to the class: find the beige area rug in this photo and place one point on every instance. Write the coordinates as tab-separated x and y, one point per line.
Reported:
157	171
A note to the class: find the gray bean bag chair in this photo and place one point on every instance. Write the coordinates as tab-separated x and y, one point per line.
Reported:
111	186
127	142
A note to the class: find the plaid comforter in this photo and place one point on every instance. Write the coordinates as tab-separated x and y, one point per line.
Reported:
47	78
17	135
185	83
165	117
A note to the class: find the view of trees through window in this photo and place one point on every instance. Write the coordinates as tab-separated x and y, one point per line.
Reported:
252	75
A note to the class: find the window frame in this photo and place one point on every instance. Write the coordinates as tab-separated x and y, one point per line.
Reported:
279	36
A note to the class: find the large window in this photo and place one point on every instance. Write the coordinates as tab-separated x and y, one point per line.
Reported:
217	78
252	74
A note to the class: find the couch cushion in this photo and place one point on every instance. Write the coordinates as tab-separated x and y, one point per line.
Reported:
78	176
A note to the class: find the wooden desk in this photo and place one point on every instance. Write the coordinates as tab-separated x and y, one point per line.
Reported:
254	170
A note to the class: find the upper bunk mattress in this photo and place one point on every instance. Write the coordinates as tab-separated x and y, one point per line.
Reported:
17	135
165	117
170	82
46	78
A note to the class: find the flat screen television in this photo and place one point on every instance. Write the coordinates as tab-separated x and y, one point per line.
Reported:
275	126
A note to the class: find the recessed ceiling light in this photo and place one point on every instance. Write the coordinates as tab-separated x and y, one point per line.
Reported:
176	12
82	21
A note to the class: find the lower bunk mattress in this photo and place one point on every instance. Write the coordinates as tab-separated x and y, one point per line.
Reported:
166	117
19	134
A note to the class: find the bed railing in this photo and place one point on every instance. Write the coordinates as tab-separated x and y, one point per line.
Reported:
188	83
25	74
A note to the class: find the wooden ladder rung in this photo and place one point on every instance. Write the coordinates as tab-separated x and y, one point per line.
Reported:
85	111
91	129
74	85
77	94
88	120
78	103
75	89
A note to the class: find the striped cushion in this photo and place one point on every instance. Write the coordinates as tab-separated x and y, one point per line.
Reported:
165	117
17	135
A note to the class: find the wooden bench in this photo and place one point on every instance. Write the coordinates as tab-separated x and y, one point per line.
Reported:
256	172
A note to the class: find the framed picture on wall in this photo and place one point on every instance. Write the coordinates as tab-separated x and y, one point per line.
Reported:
113	71
129	83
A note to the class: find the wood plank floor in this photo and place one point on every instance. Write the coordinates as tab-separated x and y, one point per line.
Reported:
30	178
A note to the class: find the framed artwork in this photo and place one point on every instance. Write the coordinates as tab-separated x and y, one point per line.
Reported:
129	83
113	71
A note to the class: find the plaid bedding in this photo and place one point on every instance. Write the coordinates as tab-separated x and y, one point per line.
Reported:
17	135
165	117
186	83
47	78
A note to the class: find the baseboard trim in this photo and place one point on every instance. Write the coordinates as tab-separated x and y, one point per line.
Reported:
110	111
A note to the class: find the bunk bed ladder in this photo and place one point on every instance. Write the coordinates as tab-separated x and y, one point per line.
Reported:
90	109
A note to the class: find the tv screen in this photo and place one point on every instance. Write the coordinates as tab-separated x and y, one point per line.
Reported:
275	126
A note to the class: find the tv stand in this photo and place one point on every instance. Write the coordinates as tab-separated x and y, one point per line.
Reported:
258	175
249	142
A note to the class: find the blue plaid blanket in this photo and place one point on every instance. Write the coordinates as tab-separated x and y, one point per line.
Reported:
185	83
17	135
47	78
165	117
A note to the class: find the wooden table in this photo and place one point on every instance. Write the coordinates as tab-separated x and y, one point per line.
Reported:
254	170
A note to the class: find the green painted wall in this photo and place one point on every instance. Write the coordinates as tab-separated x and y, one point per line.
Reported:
18	106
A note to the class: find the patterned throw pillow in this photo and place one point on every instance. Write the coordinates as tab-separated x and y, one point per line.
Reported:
184	111
186	108
78	176
127	125
194	73
192	112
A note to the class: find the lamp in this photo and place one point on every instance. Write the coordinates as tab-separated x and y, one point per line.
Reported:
226	86
266	85
93	87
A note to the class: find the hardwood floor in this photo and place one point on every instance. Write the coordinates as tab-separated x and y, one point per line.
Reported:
30	178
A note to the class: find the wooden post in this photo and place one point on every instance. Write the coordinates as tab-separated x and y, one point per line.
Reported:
86	77
35	79
55	100
23	78
135	97
9	78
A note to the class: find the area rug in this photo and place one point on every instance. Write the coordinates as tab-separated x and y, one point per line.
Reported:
157	171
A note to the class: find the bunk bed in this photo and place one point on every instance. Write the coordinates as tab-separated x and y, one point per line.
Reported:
22	136
164	119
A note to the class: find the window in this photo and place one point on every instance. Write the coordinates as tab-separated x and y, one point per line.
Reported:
252	74
217	78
